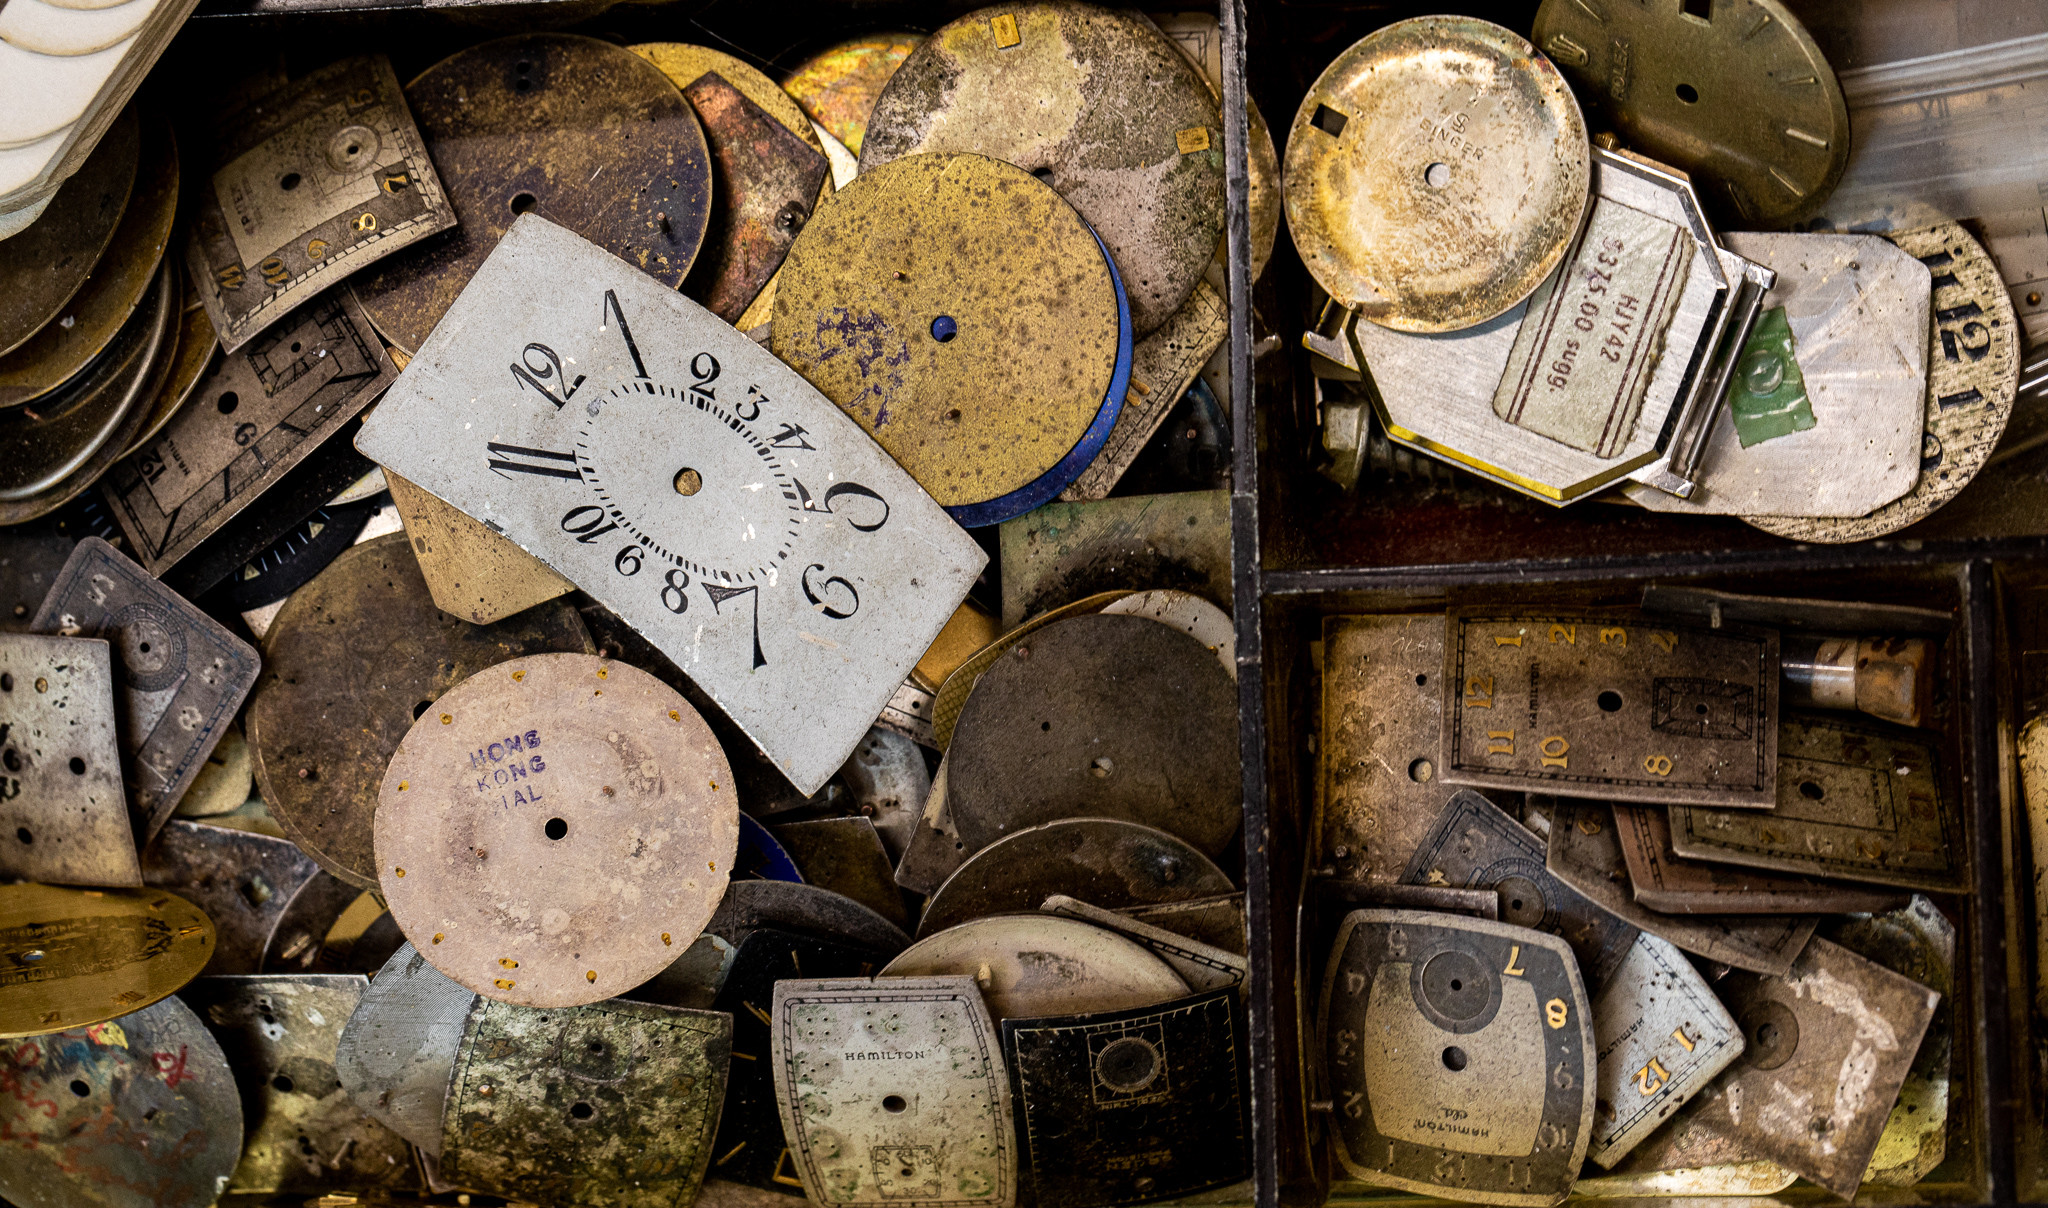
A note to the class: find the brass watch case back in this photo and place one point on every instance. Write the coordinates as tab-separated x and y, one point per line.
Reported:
606	1106
1460	1057
348	661
1122	124
893	1091
1436	173
77	957
1465	395
556	830
1740	97
140	1111
1612	705
524	124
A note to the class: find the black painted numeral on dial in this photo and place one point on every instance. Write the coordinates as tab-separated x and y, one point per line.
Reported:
791	437
548	370
720	595
613	311
821	604
505	455
838	490
587	523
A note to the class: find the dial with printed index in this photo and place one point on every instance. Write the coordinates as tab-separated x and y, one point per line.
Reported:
687	479
729	518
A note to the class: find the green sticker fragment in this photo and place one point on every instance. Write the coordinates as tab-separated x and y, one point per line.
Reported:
1768	396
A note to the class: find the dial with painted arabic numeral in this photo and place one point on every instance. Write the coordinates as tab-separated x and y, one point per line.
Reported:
699	487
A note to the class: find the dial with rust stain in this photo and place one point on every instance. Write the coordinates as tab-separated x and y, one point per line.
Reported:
1097	103
932	295
556	830
580	131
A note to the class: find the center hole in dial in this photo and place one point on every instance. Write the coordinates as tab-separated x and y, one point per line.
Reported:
688	481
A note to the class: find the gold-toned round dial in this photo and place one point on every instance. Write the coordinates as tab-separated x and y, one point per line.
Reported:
1436	173
963	314
70	958
1733	91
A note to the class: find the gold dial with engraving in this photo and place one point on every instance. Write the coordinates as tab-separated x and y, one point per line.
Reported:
1436	173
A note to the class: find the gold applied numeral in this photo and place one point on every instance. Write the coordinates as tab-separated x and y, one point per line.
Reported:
1568	634
1513	641
1644	1084
1678	1034
1614	637
1665	638
1657	765
1555	1013
1514	957
1479	692
1557	758
1500	742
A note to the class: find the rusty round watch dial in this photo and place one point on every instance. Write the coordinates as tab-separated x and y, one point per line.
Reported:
1102	861
1102	716
352	658
908	300
579	131
556	830
1097	101
1436	173
140	1111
